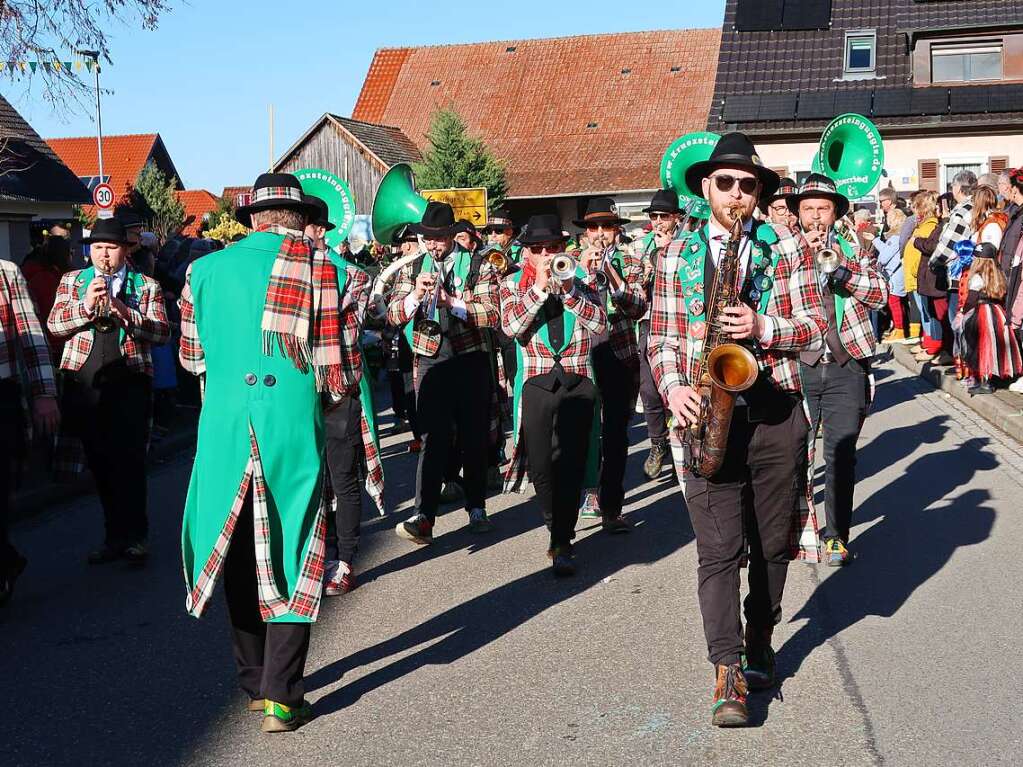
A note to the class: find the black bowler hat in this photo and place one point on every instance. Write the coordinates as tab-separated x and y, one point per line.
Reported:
320	218
734	150
601	210
543	228
275	190
108	230
664	201
438	221
403	234
818	186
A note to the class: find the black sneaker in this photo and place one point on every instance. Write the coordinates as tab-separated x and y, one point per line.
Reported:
758	663
981	388
418	529
105	554
137	553
562	561
655	460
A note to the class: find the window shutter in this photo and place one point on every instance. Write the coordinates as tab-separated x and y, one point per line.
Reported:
998	164
927	172
783	171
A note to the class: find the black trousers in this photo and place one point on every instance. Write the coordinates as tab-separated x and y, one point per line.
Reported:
113	425
11	438
270	657
751	501
344	452
618	384
556	429
453	402
837	394
509	358
653	406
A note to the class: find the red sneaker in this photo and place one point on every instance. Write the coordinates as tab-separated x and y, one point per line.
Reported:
341	581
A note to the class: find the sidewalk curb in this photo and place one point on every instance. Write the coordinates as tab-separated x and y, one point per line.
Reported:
1003	409
33	501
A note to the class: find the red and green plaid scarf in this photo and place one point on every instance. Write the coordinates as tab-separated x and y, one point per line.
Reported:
300	316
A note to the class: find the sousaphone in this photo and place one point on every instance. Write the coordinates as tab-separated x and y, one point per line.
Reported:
683	153
340	201
851	154
396	203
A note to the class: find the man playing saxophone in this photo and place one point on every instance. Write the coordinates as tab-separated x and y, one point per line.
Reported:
749	505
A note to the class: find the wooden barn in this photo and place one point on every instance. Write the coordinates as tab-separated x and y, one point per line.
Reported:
359	152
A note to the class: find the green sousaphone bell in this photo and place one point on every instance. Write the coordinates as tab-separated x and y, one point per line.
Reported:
851	154
340	201
396	204
684	152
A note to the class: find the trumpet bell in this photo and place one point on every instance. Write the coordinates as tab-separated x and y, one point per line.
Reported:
396	203
104	324
828	261
563	267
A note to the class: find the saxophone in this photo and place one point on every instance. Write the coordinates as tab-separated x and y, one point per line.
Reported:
725	369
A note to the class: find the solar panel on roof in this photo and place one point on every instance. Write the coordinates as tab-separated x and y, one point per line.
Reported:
777	106
741	108
758	15
857	102
978	99
806	14
892	102
929	101
816	105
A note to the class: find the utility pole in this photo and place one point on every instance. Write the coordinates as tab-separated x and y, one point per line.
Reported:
271	166
94	55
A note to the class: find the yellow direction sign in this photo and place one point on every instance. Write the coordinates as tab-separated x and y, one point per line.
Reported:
469	204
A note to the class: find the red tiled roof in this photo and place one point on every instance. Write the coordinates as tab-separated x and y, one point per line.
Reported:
232	192
534	102
124	157
198	202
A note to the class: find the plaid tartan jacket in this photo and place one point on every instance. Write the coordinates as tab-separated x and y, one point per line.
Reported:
21	335
482	305
626	309
519	311
795	311
866	289
959	227
69	319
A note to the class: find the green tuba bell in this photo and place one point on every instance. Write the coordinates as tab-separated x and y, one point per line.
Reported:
396	204
851	154
684	152
338	196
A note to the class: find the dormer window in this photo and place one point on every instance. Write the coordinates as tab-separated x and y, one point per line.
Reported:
860	53
966	62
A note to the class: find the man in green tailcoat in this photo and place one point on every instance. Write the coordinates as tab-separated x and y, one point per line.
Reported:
256	325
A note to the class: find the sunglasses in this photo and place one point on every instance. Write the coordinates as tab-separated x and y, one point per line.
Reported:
726	183
660	216
601	228
550	247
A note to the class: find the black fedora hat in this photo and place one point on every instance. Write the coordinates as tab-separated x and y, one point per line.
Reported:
545	227
320	219
601	210
818	186
438	221
664	201
275	190
734	150
108	230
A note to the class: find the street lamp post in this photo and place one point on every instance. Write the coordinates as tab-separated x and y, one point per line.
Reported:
94	55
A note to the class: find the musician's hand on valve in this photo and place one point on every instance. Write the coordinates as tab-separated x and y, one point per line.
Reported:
816	239
543	274
97	290
590	260
684	404
741	322
425	283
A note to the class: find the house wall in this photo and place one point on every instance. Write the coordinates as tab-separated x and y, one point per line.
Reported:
328	150
15	222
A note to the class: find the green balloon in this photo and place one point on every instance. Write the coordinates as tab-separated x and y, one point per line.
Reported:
339	198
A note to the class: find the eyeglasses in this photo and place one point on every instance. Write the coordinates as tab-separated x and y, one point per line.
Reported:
601	227
779	207
726	183
661	216
550	247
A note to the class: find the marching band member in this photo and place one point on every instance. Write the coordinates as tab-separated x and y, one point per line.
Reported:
348	418
259	324
111	315
664	215
616	354
776	207
753	497
836	378
453	382
552	322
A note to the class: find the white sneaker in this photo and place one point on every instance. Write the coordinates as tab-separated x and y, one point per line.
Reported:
1017	386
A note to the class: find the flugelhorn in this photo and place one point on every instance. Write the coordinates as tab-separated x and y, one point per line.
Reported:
563	267
104	322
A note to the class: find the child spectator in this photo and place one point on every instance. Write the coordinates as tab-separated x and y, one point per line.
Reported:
991	349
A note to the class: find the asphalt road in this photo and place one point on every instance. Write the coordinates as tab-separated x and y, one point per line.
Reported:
469	653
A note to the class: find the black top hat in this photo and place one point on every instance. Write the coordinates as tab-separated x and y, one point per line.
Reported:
734	150
818	185
320	218
438	221
664	201
543	228
275	190
498	221
601	210
108	230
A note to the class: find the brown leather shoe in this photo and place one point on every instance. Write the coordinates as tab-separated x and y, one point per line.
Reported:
729	708
759	662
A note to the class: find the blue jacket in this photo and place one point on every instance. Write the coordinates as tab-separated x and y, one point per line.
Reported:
889	258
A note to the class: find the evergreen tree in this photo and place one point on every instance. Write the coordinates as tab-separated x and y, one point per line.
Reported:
166	213
455	159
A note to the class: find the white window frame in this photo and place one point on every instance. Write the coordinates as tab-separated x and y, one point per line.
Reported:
973	46
963	159
851	73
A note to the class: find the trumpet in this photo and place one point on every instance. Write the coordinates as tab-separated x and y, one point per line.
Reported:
497	258
828	258
600	278
428	323
563	267
105	322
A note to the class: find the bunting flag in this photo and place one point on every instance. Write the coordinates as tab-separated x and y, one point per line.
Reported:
55	66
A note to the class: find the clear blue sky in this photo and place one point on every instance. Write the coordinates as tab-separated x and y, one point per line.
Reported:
204	78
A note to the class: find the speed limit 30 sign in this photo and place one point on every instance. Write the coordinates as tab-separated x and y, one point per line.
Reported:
103	198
